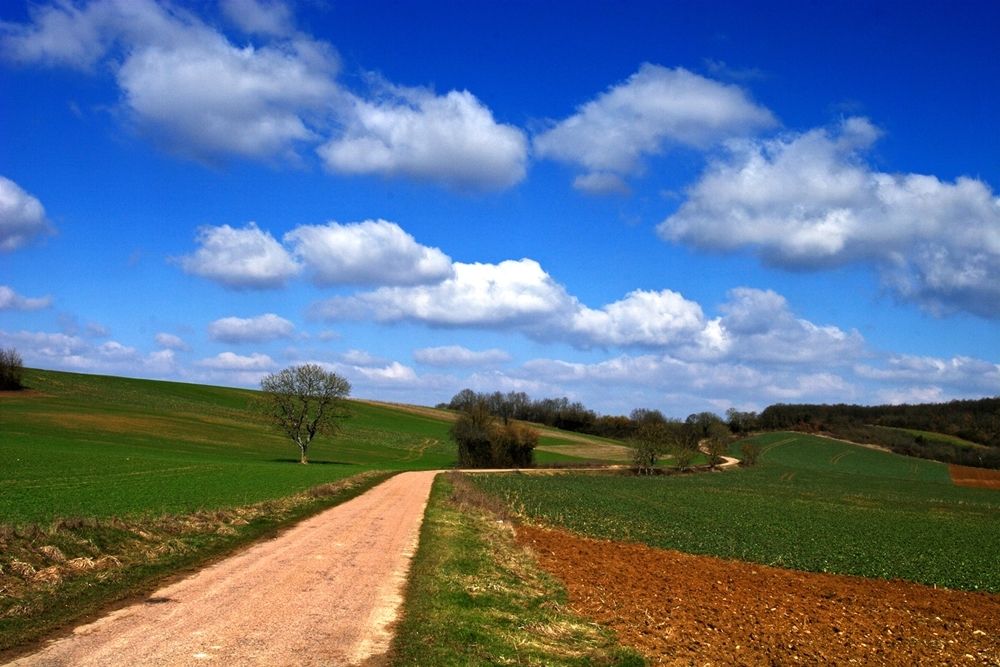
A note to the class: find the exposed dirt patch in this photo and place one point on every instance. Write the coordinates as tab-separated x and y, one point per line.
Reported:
107	423
983	478
592	450
681	609
423	411
21	393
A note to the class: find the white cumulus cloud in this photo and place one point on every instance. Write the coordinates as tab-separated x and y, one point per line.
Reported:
457	355
189	88
373	252
609	136
250	329
22	217
247	258
182	82
11	300
810	201
758	325
230	361
393	373
641	318
451	139
961	373
509	294
169	341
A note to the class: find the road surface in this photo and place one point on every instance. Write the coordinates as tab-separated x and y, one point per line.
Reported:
324	592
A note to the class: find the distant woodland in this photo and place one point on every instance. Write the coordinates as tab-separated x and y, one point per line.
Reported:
962	432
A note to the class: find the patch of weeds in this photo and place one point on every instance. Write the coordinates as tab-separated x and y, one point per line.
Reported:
477	598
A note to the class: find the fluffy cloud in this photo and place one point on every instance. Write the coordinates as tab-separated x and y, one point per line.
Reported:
451	139
654	108
810	201
393	373
655	379
210	99
230	361
184	84
456	355
758	325
250	330
509	294
247	258
169	341
962	373
374	252
62	351
11	300
22	217
642	318
361	358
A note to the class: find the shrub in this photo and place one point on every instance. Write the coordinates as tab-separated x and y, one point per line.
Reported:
11	369
484	443
750	453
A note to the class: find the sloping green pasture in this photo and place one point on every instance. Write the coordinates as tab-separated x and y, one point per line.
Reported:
94	446
811	503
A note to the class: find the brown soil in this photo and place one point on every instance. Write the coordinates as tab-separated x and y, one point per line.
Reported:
323	593
21	393
421	410
983	478
680	609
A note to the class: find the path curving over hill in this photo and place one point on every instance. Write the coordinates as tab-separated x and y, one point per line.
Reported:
322	593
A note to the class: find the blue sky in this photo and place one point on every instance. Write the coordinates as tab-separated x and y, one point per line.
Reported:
682	206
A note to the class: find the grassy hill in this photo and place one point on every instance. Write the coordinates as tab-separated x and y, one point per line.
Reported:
97	446
811	503
87	445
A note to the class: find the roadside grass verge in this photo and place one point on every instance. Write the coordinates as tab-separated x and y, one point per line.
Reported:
476	598
69	570
810	504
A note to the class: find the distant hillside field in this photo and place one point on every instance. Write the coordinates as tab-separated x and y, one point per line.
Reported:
97	446
811	503
86	445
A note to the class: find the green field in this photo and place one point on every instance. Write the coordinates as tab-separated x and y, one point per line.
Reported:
811	503
96	446
85	445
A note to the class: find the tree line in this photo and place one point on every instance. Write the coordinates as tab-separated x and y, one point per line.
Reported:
977	421
568	415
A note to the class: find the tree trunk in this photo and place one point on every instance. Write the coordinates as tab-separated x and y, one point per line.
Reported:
303	457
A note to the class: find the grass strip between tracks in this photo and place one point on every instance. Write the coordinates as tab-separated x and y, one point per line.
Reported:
476	598
61	574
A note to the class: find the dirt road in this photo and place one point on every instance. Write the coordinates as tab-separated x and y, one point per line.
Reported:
322	593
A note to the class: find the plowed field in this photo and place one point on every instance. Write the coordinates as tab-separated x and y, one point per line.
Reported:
681	609
983	478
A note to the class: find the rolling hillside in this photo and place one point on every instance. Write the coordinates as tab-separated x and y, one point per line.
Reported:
88	445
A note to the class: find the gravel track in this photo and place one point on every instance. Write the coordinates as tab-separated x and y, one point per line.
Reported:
325	592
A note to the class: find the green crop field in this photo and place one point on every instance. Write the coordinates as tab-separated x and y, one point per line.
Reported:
811	503
85	445
96	446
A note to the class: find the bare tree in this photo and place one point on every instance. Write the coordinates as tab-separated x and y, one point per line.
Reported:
303	402
651	441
